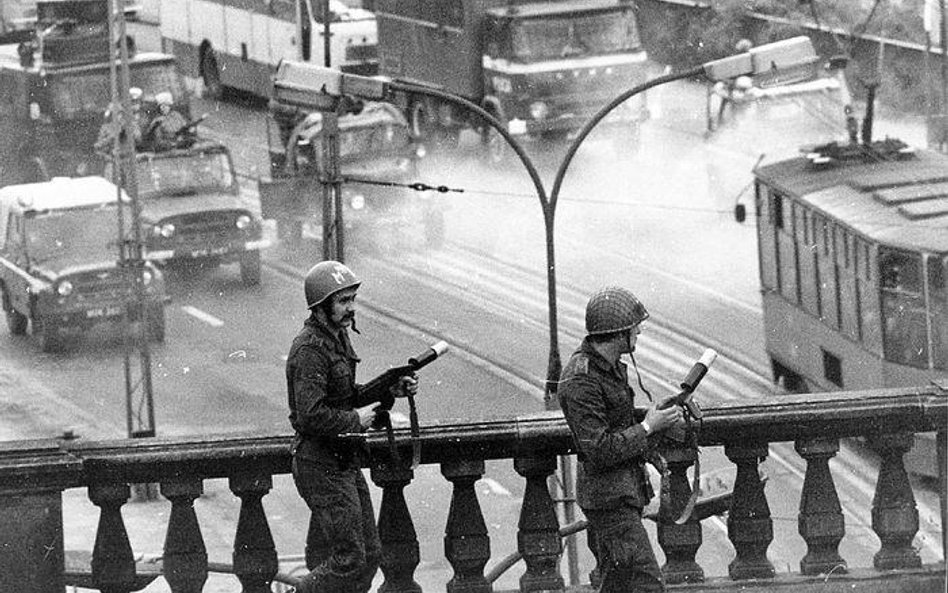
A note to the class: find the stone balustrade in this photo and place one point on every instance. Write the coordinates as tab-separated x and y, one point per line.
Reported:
34	474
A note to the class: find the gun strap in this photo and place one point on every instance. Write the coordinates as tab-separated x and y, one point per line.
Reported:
390	433
415	433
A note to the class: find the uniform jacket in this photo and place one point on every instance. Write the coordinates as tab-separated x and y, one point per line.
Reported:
597	402
322	394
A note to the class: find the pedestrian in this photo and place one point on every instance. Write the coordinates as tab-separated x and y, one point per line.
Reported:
612	440
342	546
164	130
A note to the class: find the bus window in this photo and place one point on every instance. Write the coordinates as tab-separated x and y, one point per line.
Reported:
938	302
905	327
766	238
787	249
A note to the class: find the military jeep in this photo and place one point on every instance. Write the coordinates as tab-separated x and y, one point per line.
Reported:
192	212
59	270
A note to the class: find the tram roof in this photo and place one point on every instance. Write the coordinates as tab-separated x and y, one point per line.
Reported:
902	203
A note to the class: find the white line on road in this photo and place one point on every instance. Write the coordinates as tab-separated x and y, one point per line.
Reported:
205	317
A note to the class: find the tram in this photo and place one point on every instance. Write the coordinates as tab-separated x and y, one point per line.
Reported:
853	252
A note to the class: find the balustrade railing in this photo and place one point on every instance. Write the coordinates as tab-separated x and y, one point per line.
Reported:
34	474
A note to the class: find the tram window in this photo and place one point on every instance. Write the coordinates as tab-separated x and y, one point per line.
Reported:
826	239
777	210
832	368
905	327
938	303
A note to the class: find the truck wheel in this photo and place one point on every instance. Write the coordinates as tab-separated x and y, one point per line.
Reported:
47	333
155	323
250	268
16	321
213	89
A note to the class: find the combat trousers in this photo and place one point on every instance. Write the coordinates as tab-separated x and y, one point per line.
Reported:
342	546
624	552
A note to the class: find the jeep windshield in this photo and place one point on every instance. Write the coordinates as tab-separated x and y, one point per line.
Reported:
184	174
570	35
60	238
355	142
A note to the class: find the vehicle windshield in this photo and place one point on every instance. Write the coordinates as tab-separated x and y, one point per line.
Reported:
68	237
184	175
87	93
568	36
358	141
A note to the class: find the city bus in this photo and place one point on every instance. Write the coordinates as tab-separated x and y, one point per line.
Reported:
238	43
853	262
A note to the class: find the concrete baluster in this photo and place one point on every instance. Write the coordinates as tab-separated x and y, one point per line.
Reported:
466	543
821	516
894	514
679	542
255	556
113	563
538	537
749	525
400	551
185	557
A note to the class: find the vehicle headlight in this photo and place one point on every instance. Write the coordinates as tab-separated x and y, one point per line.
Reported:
64	288
165	230
539	110
357	202
243	222
147	277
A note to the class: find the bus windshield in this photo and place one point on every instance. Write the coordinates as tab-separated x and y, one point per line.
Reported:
67	237
184	175
555	38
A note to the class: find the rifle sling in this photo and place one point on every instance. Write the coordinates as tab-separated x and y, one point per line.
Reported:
415	433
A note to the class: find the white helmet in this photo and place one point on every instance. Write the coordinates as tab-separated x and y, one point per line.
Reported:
164	98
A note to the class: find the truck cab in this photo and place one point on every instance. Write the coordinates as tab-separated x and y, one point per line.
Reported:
191	210
59	270
376	154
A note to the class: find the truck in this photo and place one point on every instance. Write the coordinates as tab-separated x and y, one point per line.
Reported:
378	159
59	262
191	211
55	87
541	68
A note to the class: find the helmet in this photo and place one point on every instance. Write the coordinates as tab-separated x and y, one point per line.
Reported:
613	309
134	93
326	279
164	98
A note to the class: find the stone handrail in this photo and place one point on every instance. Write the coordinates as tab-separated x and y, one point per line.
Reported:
33	475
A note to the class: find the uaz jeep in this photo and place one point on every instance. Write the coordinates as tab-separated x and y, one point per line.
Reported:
59	267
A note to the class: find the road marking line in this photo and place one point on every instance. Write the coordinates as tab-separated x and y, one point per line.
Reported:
205	317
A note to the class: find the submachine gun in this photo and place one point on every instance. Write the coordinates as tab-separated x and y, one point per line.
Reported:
686	433
378	389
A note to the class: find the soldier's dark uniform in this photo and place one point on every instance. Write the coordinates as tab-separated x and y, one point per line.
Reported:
342	545
612	485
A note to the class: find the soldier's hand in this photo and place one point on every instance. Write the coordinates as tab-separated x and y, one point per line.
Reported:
366	415
406	386
659	420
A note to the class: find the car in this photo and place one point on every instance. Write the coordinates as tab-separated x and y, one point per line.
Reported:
192	213
60	271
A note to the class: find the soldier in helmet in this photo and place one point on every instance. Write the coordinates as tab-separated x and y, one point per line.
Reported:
611	437
342	546
164	130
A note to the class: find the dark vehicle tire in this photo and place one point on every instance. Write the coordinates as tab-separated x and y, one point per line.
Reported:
434	229
250	268
17	322
50	340
155	323
213	89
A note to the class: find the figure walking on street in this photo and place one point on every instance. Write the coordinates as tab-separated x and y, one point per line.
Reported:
612	440
342	545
